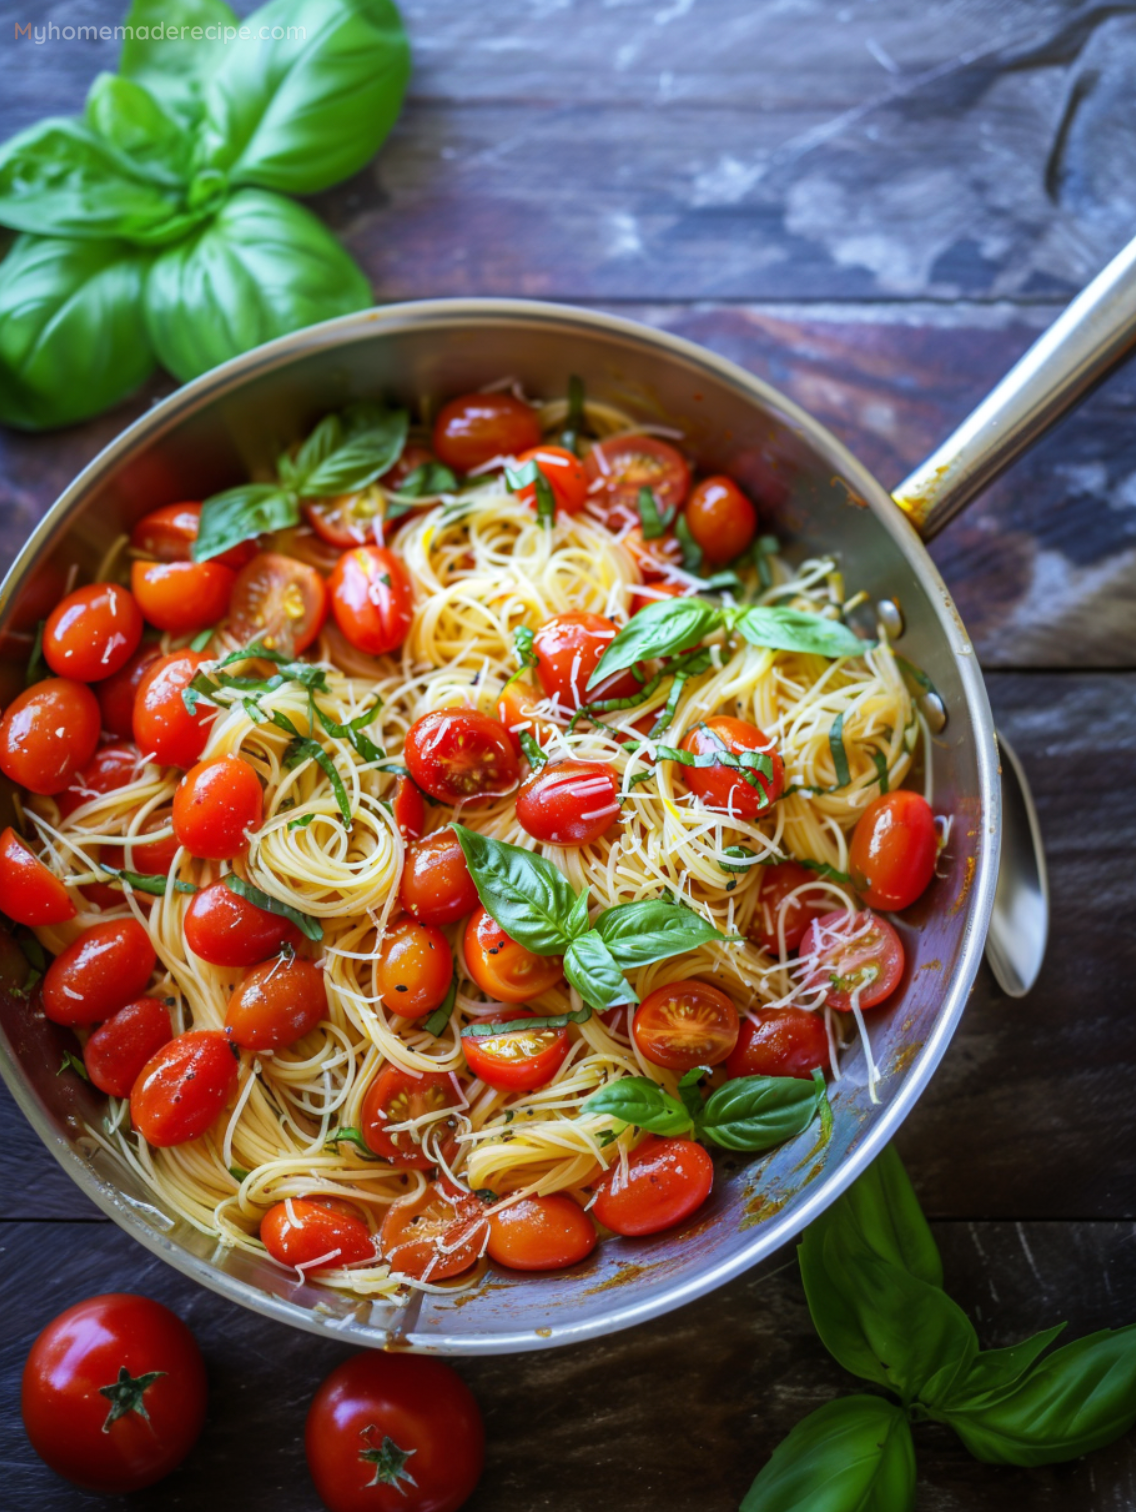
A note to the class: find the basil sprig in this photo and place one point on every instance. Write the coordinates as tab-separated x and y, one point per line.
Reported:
517	478
854	1454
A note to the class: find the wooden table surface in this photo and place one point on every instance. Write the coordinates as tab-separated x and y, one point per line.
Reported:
876	206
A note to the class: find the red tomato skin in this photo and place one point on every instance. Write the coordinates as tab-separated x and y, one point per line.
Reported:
167	534
422	1406
227	930
118	1049
346	520
436	885
889	957
104	969
163	726
276	1004
48	733
503	969
64	1411
625	464
216	804
655	559
437	1234
415	969
667	1181
780	1042
30	893
541	1234
310	1231
565	475
372	599
568	648
516	710
182	597
721	519
519	1061
409	810
111	768
457	754
569	802
280	601
116	694
685	1024
393	1097
93	633
777	882
721	789
893	852
475	428
161	1108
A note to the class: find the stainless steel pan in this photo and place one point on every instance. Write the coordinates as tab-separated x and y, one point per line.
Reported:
817	498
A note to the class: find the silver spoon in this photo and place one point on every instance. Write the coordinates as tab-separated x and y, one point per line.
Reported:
1019	925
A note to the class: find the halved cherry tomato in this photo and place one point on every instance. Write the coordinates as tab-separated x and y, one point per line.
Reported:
519	1060
300	543
541	1234
569	802
48	733
183	1087
216	804
151	858
168	534
777	910
182	597
277	1004
93	633
29	892
659	557
436	885
347	520
516	710
372	599
721	519
625	464
227	930
437	1234
685	1024
104	969
311	1237
894	847
458	754
565	474
858	956
111	768
651	593
723	788
409	809
568	649
118	1049
780	1042
164	729
503	969
667	1180
395	1097
476	428
280	602
116	694
415	969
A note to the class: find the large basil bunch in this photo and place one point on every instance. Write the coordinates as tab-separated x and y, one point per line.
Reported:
153	228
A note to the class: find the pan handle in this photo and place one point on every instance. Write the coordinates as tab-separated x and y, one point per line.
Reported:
1081	346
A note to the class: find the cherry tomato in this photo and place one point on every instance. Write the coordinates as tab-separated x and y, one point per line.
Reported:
569	648
104	969
113	1394
477	428
183	1087
182	597
227	930
569	802
521	1059
151	858
118	1049
516	710
164	729
395	1097
415	969
780	1042
778	910
852	952
302	544
409	809
436	885
372	599
721	519
565	474
112	767
116	694
457	754
541	1233
277	1004
666	1181
437	1234
651	593
625	464
503	969
29	892
659	557
394	1433
723	789
48	733
685	1024
311	1237
216	804
894	847
280	602
93	633
347	520
168	534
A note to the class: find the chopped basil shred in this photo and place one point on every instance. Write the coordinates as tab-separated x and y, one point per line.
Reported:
839	754
575	420
309	927
441	1015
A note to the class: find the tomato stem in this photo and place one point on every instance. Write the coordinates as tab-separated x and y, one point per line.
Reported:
389	1460
126	1394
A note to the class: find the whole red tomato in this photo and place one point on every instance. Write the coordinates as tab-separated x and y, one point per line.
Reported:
394	1433
114	1393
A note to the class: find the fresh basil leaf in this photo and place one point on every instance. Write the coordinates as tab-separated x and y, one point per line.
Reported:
238	1173
261	267
578	923
311	928
879	760
839	754
360	459
352	731
147	882
202	639
441	1015
486	1030
240	514
651	520
751	766
534	753
795	630
597	976
354	1137
918	683
661	629
854	1454
125	115
691	551
758	1112
72	333
690	1091
639	933
72	1062
304	748
996	1372
310	107
528	897
823	870
168	60
423	482
302	822
638	1100
741	858
763	548
576	419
